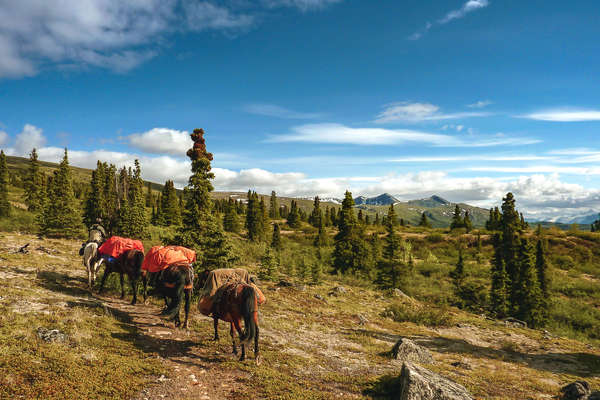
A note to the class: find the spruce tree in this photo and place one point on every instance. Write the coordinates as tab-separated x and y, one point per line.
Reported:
499	291
391	266
361	219
276	238
467	222
424	221
95	201
61	216
273	206
231	221
458	274
541	267
391	216
149	195
5	209
134	222
254	218
528	303
457	221
170	214
201	230
268	266
303	269
351	253
34	185
510	244
316	270
377	221
293	218
321	238
316	216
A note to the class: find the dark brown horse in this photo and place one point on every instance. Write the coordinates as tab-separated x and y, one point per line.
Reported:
173	283
232	303
130	263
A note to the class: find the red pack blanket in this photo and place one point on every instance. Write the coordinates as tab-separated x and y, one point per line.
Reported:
115	246
160	257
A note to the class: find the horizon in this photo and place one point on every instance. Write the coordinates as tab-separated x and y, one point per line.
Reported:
466	99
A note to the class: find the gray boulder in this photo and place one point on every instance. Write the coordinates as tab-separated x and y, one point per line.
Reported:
418	383
51	335
407	350
578	390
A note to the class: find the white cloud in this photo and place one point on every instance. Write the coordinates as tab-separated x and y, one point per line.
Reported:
540	169
30	137
487	157
480	104
340	134
272	110
3	138
113	34
161	141
419	112
564	115
468	7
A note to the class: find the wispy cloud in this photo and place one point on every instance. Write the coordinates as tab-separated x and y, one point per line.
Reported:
485	157
468	7
331	133
419	112
272	110
564	115
303	5
480	104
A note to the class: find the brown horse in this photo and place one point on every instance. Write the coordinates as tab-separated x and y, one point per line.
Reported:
130	263
232	303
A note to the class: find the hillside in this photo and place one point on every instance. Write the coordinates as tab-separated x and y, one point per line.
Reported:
324	341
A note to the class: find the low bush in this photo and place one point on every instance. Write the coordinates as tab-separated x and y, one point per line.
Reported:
420	315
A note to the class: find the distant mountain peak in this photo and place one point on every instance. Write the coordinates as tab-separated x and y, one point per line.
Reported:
433	201
384	199
439	199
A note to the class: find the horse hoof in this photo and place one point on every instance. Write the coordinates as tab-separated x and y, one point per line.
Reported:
258	360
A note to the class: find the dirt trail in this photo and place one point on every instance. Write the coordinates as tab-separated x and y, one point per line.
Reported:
191	359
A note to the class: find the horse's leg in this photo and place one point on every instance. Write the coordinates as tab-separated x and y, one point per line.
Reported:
122	285
256	353
107	271
89	273
134	286
232	338
145	283
216	326
238	328
187	307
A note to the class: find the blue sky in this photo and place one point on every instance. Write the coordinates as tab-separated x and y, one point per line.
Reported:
467	99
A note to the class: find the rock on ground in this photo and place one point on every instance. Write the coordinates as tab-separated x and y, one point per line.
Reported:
407	350
418	383
579	390
51	335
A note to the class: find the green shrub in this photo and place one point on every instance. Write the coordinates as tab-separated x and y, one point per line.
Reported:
420	315
435	238
564	262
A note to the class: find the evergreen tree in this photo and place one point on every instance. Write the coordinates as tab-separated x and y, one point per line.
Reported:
293	218
268	266
303	269
529	296
377	221
467	222
316	216
351	253
495	220
5	209
61	216
457	221
264	214
254	218
135	223
231	221
595	226
541	267
149	195
316	270
34	185
95	201
391	266
510	244
458	274
273	206
367	220
499	291
424	221
361	219
201	230
391	216
276	239
321	238
170	214
376	246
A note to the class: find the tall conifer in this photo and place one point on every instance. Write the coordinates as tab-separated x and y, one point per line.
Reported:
201	230
351	253
34	185
273	206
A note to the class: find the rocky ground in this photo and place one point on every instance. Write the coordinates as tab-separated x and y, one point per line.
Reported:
324	341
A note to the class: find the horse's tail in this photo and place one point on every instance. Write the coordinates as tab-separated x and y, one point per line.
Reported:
249	313
138	260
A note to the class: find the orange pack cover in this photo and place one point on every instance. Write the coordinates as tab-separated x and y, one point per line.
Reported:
116	245
160	257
